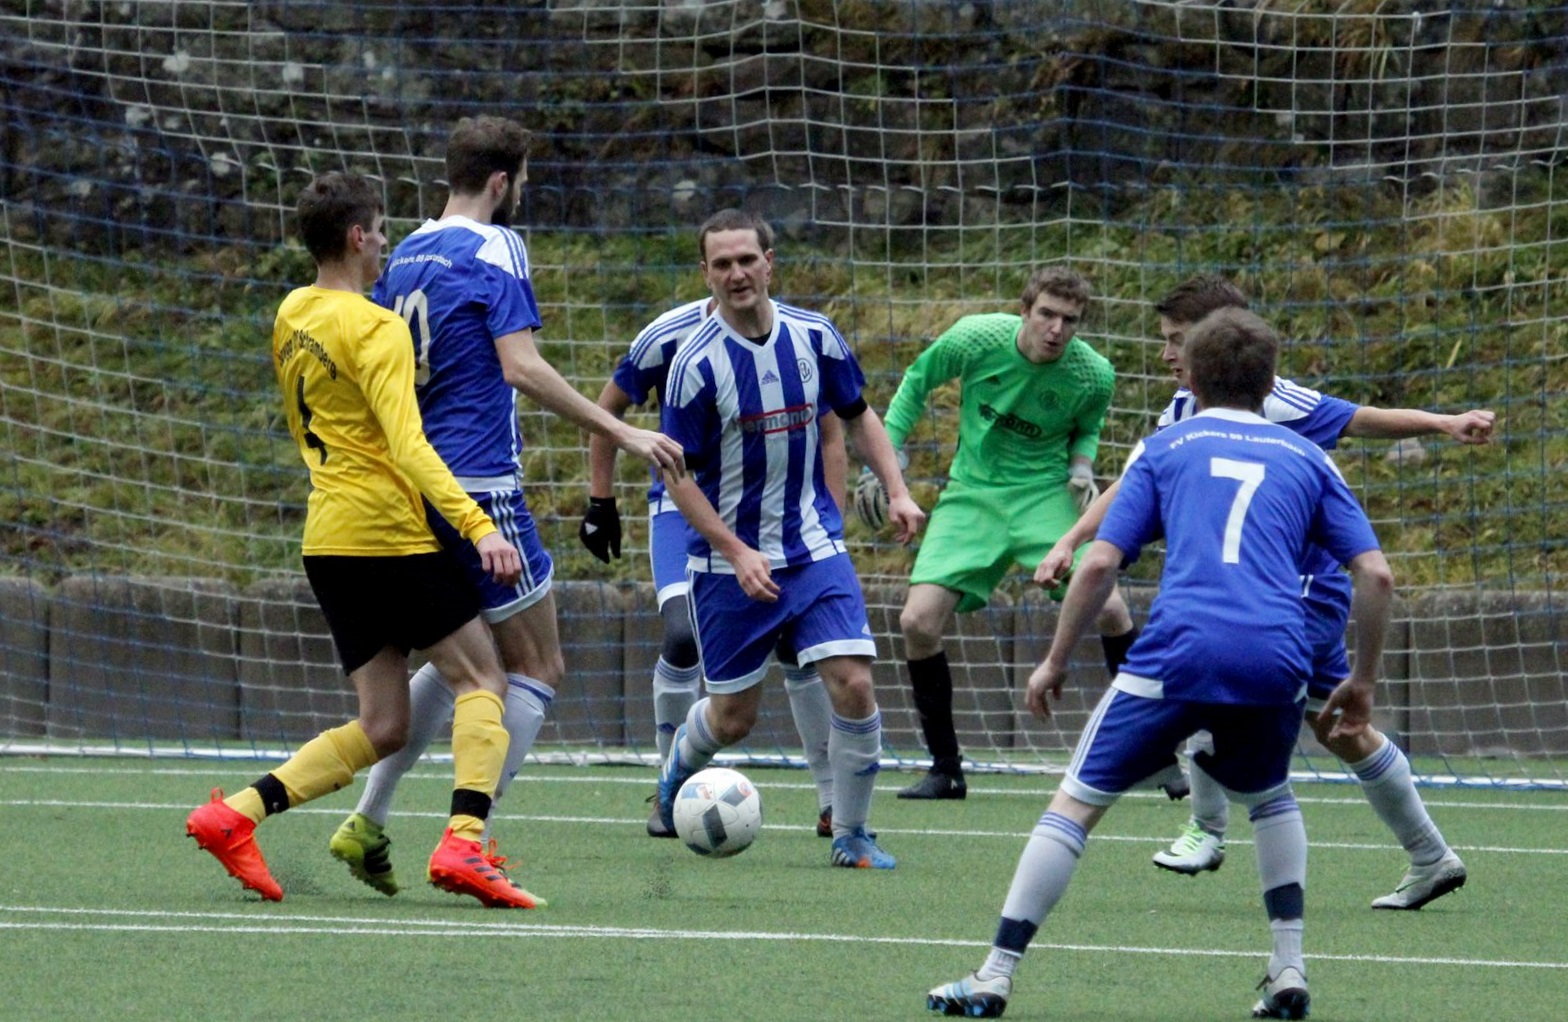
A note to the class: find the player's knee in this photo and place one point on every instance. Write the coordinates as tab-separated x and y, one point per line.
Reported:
921	630
679	649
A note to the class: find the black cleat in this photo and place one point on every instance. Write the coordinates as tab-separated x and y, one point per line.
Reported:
937	786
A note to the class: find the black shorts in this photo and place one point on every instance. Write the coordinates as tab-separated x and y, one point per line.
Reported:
412	601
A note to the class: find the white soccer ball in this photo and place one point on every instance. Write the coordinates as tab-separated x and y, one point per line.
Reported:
718	812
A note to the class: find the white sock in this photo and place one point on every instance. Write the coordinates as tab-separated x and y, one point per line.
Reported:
1287	946
1210	804
1044	869
430	714
697	745
1385	778
674	690
527	703
855	749
813	713
1281	844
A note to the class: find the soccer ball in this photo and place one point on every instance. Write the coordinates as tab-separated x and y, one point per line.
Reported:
718	813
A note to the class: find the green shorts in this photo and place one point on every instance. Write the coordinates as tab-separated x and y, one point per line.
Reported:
976	535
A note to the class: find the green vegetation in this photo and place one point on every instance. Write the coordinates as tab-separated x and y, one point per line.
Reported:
139	402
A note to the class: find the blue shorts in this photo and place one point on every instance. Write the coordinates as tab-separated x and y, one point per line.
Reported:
509	511
820	613
1330	666
667	536
1130	739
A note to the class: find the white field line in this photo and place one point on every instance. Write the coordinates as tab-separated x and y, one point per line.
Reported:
1432	797
640	821
135	921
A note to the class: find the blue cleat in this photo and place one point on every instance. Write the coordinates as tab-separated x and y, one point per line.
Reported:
858	850
672	775
971	997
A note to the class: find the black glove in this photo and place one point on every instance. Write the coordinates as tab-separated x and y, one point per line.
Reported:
600	531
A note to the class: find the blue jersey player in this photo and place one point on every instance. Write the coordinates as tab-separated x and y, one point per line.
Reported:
1236	499
766	558
1377	762
462	284
677	675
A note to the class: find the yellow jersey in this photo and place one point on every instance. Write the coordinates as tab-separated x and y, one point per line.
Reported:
346	369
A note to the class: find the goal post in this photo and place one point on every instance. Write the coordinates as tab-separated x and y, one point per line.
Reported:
1388	185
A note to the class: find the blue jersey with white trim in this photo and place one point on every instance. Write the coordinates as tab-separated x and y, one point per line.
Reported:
746	414
461	284
643	371
1321	419
1237	500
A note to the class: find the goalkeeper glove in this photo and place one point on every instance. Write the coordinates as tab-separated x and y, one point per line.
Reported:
600	531
871	500
1080	483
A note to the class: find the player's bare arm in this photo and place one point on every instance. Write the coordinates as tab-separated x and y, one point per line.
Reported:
527	371
871	440
752	569
1057	564
1348	710
1471	427
1091	586
835	458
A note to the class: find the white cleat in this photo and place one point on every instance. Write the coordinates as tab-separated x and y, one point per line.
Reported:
1284	996
1426	883
1192	853
971	997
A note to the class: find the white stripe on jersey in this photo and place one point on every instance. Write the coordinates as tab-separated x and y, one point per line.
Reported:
647	351
1285	403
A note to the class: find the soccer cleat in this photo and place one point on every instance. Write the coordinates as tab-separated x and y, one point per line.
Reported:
858	850
231	838
972	997
656	827
672	775
1426	883
1284	996
463	867
936	785
359	844
1193	852
825	822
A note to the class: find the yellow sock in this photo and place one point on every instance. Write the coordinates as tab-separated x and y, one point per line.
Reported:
248	804
479	745
326	763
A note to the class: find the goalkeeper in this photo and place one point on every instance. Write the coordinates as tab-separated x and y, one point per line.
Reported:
1034	402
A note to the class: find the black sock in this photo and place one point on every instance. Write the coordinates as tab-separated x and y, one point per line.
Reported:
1116	647
933	687
274	797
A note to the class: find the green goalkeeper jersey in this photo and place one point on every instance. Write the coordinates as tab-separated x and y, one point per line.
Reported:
1019	422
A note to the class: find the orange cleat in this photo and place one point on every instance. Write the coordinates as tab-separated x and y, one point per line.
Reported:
463	867
231	838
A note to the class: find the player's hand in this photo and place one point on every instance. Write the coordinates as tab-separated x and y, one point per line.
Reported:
907	518
659	451
1044	679
500	559
1056	567
600	530
1346	713
755	576
1472	427
1081	484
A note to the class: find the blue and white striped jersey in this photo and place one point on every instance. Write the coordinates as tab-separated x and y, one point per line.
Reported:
461	284
1321	419
746	414
645	368
1237	500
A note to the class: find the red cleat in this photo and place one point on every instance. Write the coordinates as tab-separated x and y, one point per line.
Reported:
231	838
463	867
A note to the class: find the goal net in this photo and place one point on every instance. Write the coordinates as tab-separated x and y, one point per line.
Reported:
1388	184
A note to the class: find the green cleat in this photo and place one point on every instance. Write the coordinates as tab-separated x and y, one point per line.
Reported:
360	844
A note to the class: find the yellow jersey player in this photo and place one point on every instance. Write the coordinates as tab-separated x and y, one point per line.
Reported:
346	369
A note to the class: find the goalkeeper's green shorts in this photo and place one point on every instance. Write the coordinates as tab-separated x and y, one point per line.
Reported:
976	535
